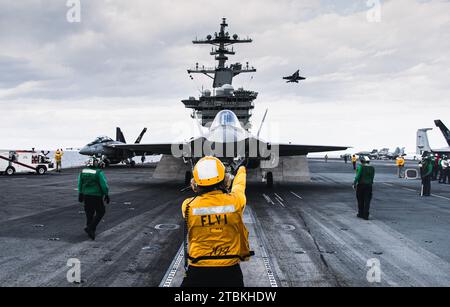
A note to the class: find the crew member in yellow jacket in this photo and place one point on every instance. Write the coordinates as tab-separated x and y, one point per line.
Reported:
400	162
58	158
217	236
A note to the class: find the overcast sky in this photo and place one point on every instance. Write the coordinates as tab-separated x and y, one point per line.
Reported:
369	84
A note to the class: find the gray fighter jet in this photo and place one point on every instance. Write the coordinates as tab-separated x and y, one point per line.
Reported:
104	147
373	155
385	154
294	78
227	140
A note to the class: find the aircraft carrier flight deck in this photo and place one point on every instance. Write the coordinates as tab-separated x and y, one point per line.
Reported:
304	234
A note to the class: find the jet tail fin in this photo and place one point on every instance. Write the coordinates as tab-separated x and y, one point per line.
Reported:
422	144
138	140
119	136
444	130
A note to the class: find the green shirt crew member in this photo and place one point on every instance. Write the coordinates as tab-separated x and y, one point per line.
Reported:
363	184
92	189
426	172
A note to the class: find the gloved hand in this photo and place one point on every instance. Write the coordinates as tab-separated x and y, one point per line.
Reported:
238	164
80	197
107	199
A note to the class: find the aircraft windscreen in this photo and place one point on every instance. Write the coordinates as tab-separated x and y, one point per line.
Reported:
100	139
225	118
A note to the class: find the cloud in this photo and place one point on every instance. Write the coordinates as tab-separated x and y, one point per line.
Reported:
125	63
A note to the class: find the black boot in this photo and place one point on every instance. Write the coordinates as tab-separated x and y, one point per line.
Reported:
90	233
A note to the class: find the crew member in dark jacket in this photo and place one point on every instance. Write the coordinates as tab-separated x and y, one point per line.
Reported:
363	184
426	172
93	189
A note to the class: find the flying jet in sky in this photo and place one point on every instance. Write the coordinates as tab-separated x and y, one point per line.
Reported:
295	78
103	147
227	140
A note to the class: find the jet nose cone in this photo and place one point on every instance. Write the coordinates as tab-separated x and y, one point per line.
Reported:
85	151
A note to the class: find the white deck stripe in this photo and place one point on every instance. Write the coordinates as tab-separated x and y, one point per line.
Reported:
264	255
173	268
443	197
268	199
298	196
280	202
279	197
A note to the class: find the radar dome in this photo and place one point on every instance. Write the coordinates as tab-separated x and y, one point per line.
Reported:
228	89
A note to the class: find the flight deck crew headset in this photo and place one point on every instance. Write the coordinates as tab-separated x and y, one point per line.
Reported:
224	185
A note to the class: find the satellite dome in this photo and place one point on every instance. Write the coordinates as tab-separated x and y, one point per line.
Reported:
228	89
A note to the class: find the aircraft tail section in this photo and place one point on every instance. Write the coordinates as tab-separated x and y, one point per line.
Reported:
119	136
422	144
444	130
402	151
138	140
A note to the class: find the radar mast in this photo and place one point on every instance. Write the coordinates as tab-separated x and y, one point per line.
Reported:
223	96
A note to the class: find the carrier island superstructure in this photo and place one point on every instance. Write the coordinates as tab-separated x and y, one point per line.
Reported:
223	95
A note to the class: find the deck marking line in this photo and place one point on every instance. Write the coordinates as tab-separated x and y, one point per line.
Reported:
173	268
298	196
268	199
443	197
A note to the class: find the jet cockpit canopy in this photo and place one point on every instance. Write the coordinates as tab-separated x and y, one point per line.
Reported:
225	118
101	139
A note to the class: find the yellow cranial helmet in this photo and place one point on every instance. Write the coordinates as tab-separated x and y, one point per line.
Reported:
209	171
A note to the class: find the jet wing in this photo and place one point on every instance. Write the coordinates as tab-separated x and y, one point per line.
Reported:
300	150
444	150
166	149
149	149
182	148
296	149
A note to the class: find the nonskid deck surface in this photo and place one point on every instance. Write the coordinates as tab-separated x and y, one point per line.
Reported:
303	234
